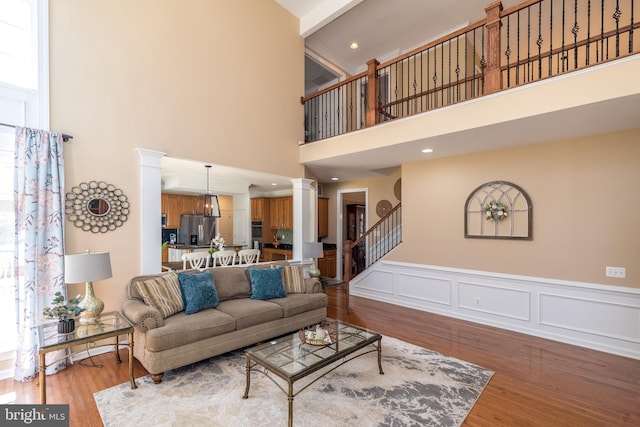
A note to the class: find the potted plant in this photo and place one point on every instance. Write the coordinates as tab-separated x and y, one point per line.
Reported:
64	312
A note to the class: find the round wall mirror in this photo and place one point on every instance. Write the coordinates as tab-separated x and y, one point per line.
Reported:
96	206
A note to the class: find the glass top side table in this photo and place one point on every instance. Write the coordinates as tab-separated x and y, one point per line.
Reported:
109	325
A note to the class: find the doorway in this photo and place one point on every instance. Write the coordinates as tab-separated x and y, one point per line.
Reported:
358	199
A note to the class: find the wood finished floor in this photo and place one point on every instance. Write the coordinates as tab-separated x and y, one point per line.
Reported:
537	382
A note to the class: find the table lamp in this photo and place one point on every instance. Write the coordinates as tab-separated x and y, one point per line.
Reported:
314	251
88	267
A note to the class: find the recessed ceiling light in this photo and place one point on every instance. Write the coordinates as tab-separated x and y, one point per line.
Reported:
335	178
354	45
428	150
274	183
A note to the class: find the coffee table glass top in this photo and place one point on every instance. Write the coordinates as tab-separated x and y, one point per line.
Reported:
291	356
108	323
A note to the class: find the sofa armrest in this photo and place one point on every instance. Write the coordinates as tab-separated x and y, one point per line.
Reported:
312	286
142	315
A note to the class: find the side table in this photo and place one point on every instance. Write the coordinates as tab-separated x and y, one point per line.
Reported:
329	282
109	325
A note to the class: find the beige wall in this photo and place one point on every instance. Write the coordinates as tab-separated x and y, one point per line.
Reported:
217	81
585	201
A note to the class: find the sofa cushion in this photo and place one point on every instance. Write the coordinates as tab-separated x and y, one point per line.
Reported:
163	293
293	279
266	283
248	312
300	303
181	329
231	282
198	292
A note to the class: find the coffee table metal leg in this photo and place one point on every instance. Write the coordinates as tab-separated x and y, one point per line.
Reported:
380	355
248	380
290	396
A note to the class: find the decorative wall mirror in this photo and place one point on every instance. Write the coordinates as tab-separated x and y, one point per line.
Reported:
498	210
96	206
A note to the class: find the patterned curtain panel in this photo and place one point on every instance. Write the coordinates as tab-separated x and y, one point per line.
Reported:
39	242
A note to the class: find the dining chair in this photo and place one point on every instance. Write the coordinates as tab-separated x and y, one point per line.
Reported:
248	256
196	260
224	257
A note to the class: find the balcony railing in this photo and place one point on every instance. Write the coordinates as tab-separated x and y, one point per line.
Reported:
535	40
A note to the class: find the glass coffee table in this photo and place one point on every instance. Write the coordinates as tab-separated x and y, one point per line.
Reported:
291	358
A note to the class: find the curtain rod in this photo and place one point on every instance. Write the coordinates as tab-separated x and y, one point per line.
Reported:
65	137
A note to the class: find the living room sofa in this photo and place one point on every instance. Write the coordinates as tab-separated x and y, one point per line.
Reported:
166	337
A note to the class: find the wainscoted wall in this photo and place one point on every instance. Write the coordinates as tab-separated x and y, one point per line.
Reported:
601	317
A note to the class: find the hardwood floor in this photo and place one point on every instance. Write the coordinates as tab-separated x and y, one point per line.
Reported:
537	382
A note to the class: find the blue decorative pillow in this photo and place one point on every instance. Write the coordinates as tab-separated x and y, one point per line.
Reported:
266	283
198	291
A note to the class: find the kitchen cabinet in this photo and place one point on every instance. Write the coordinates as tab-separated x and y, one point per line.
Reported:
174	205
323	216
327	264
260	209
273	254
281	213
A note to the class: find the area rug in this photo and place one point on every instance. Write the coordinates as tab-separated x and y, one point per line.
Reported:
419	388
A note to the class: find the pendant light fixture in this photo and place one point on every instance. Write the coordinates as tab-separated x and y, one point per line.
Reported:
208	201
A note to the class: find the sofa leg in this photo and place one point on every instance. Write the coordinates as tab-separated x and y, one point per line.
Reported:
157	378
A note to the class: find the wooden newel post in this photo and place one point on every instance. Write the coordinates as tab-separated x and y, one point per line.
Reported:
492	74
372	116
346	250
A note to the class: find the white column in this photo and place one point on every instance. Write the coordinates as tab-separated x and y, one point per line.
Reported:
305	215
150	210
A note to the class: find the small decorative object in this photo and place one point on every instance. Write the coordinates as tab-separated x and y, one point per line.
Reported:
216	244
322	334
276	243
495	211
63	312
383	207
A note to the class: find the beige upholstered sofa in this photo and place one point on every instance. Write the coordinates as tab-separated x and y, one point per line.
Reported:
166	337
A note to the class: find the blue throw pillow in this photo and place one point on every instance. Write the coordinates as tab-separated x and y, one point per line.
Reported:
266	283
198	291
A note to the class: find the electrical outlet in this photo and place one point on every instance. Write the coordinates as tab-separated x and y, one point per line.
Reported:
477	301
616	272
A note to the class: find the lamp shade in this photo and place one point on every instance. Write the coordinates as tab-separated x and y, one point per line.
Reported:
87	267
312	250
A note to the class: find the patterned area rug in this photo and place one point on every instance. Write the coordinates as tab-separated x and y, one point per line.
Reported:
419	388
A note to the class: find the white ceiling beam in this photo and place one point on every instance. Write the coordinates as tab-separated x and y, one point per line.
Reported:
326	12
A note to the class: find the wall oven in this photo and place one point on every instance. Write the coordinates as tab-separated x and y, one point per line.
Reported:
256	230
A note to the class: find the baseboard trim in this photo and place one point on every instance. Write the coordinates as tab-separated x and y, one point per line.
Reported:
590	315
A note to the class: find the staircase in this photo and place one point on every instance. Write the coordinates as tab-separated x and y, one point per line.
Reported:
374	244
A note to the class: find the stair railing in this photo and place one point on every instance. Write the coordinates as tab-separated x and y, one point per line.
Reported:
374	244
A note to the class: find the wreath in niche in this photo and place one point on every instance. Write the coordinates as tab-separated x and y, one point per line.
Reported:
96	206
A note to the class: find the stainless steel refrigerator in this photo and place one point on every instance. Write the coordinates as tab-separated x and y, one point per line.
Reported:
197	229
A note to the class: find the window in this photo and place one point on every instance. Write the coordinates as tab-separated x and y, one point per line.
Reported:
24	101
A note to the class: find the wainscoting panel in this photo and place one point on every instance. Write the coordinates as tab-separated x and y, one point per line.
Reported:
496	300
611	320
379	282
601	317
433	289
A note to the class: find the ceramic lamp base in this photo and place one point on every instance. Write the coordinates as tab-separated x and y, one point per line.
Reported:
92	306
314	271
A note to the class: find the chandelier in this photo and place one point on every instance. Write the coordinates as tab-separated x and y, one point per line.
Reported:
208	201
